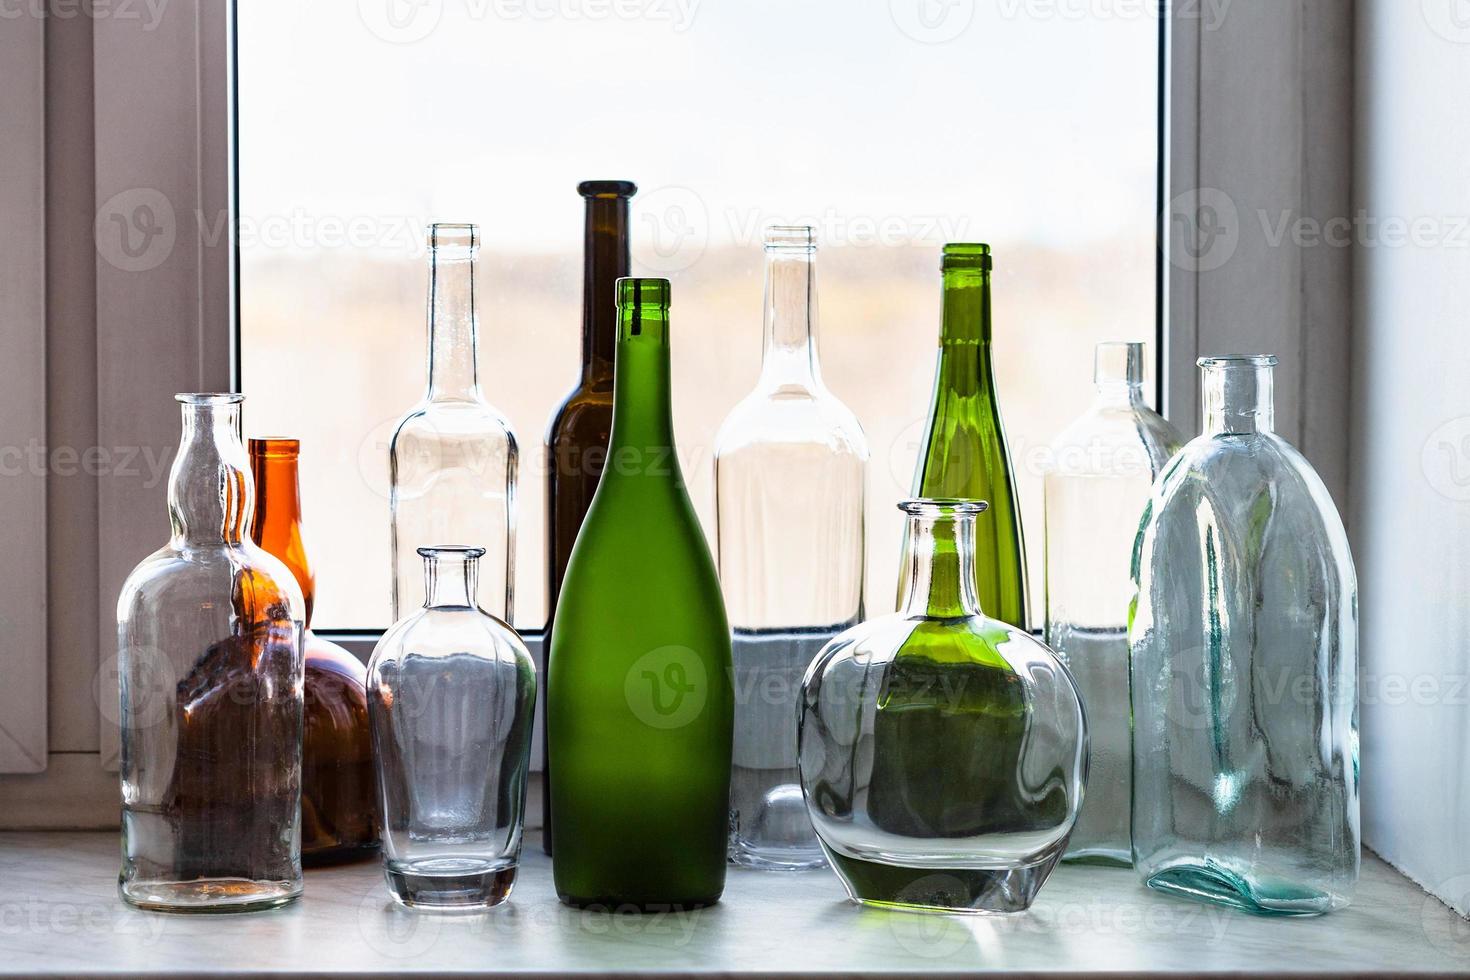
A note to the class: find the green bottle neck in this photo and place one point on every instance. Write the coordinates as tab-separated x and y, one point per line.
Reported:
940	577
642	423
965	330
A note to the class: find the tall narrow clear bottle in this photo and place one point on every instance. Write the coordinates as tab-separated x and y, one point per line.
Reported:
790	473
1101	470
964	454
641	709
576	441
452	461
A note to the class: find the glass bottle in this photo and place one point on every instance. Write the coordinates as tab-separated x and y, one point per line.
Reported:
452	699
943	753
1097	484
964	454
1243	639
790	470
209	657
338	794
576	442
452	460
640	713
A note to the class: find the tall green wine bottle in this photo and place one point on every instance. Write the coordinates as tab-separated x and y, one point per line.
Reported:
964	450
640	710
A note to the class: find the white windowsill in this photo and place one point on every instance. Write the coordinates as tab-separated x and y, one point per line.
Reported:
60	915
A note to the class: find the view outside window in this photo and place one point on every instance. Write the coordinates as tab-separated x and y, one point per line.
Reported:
892	126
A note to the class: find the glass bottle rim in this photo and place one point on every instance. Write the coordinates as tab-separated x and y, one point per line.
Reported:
607	188
800	237
209	397
1238	360
275	447
461	551
636	291
966	255
942	507
454	234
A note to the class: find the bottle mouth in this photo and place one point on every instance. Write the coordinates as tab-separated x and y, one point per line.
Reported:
450	234
795	237
966	255
209	397
275	447
633	291
942	507
1238	361
607	188
453	552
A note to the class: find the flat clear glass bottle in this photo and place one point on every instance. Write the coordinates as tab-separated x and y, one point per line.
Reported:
1244	650
790	478
452	460
452	699
1101	471
209	658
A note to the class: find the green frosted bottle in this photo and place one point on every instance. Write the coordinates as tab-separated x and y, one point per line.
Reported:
964	453
640	710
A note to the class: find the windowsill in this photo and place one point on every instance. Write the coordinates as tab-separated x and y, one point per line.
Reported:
60	915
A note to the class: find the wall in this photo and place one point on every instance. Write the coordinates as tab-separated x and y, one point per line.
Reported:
1410	445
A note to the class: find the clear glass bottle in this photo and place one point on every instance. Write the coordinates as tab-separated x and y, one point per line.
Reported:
209	656
1097	485
338	788
943	753
1244	646
965	454
452	460
790	474
452	698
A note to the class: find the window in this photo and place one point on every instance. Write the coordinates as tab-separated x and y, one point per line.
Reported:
890	126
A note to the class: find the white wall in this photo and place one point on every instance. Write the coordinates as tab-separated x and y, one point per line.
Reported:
1410	447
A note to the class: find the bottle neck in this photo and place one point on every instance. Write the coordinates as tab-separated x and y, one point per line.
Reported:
642	422
1238	398
451	580
1117	374
790	354
965	330
940	578
210	492
452	324
1112	394
604	262
277	524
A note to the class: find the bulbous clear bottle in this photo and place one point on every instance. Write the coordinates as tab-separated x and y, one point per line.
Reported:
790	475
1097	484
943	754
1244	640
452	461
209	634
451	700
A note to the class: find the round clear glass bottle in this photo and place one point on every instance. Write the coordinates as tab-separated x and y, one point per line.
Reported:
943	753
1244	646
452	461
451	698
1097	485
790	475
209	657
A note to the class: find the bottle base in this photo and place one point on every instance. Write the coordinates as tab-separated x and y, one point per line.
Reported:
792	859
621	905
1099	857
209	895
965	891
1212	883
450	889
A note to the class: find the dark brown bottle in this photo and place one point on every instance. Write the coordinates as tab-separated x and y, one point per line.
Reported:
338	783
576	441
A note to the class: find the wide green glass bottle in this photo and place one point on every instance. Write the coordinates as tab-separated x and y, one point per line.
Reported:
964	452
640	709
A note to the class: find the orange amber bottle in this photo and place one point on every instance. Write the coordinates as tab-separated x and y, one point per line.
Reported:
338	784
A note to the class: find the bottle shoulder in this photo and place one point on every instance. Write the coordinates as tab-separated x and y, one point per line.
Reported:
785	417
584	413
441	633
456	421
207	575
1113	441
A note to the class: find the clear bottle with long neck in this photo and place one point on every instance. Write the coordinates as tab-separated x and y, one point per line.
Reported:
1243	641
452	460
1101	469
211	671
964	453
576	440
640	712
338	798
790	479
